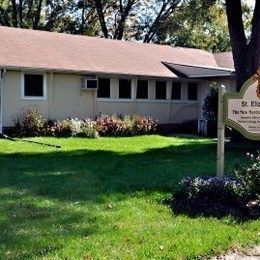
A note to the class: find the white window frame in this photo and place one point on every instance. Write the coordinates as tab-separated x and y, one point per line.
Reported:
44	97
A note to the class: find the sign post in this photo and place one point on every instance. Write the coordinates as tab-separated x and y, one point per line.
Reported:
221	132
241	111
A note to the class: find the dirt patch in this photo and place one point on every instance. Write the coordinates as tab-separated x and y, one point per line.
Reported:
252	253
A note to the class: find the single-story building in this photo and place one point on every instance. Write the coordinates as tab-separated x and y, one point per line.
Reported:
78	76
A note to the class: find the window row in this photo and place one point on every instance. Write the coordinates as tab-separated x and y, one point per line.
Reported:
142	89
34	85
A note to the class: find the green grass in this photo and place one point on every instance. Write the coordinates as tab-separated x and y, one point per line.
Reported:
103	199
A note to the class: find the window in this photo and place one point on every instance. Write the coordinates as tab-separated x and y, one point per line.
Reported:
103	88
176	90
192	91
142	89
33	86
160	90
125	88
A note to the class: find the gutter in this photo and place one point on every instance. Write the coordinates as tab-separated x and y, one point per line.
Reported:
203	67
222	72
86	72
2	74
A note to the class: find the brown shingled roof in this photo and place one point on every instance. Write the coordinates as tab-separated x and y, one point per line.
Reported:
22	48
224	59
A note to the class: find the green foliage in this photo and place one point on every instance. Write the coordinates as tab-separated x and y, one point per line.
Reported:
75	127
77	17
238	195
250	177
88	129
32	123
68	127
210	106
198	24
212	196
29	123
189	23
125	125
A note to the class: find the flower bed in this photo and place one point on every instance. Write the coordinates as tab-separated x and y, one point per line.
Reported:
32	123
238	195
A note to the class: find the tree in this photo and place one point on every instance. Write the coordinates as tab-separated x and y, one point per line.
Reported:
71	16
246	50
132	19
113	16
164	11
210	107
197	26
21	13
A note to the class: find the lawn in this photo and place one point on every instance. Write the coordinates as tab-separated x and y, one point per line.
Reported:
102	198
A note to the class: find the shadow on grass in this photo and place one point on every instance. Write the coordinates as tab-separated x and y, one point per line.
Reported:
205	207
82	176
29	230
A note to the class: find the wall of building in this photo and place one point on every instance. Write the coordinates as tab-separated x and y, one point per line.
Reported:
66	99
166	111
229	83
12	99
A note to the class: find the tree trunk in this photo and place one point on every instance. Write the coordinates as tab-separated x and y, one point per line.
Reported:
124	12
101	17
14	14
37	15
21	13
246	54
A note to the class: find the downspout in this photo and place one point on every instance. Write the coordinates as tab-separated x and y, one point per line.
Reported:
133	94
50	96
2	74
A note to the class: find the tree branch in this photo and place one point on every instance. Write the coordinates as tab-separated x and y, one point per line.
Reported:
101	17
37	15
119	32
14	13
166	10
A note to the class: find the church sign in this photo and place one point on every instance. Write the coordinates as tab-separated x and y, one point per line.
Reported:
242	110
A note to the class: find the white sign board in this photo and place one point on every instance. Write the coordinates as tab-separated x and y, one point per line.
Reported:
242	110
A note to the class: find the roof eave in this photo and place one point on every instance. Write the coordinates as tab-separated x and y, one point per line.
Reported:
83	72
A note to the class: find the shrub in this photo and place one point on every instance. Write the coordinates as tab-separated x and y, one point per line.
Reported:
238	196
250	177
68	127
212	196
209	187
32	123
125	125
210	107
110	125
49	128
29	123
144	125
88	129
